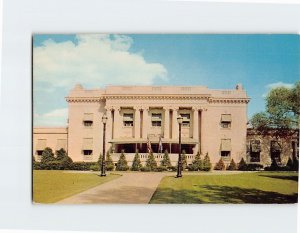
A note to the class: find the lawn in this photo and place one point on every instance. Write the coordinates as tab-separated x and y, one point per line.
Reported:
257	187
52	186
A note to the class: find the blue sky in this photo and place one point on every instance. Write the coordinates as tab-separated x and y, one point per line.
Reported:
259	62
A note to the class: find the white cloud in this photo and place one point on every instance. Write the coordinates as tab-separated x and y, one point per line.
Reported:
56	117
95	61
271	86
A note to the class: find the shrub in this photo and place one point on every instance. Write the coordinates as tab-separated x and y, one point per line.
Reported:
173	168
254	167
165	162
150	162
183	159
232	166
197	163
136	163
289	164
274	166
122	163
109	162
206	163
161	169
82	166
95	167
36	166
242	165
145	169
220	165
47	156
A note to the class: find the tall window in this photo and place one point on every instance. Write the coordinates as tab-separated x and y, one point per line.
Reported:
186	119
275	151
225	148
87	147
156	119
255	150
88	120
128	119
226	121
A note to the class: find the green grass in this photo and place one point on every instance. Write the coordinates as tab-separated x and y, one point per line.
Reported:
52	186
258	187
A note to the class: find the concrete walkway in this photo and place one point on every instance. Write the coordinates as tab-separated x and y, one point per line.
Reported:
130	188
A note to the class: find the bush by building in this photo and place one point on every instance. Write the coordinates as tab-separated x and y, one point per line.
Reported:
151	163
232	166
122	164
136	163
206	163
183	159
109	162
220	165
166	162
242	166
197	163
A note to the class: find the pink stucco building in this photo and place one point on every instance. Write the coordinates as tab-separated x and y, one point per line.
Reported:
214	122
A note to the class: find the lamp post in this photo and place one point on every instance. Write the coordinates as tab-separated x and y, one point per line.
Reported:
104	120
179	166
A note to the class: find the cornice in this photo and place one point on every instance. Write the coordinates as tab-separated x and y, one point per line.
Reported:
203	97
84	99
229	100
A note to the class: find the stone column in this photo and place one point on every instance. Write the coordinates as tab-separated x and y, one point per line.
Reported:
202	146
196	123
137	122
117	122
108	126
146	122
167	123
175	126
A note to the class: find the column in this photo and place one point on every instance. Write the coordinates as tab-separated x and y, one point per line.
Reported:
167	123
108	127
137	122
146	122
117	122
175	126
203	146
196	124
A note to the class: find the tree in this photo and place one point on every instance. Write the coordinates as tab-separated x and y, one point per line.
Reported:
183	159
166	162
242	166
122	163
220	165
136	164
150	162
206	163
197	163
109	162
63	159
232	166
47	156
282	110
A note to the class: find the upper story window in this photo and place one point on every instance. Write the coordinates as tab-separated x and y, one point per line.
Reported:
128	119
156	119
226	121
186	119
88	119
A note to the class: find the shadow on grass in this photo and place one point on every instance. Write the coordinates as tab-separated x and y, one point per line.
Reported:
281	177
221	194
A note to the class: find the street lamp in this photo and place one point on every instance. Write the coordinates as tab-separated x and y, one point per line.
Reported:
179	166
104	120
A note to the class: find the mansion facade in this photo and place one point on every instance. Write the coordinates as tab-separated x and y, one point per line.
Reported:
214	122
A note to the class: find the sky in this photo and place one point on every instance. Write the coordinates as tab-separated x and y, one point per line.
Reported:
260	62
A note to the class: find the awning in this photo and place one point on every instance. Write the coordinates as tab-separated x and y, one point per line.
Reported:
225	145
255	146
41	144
61	144
127	118
226	118
87	144
88	117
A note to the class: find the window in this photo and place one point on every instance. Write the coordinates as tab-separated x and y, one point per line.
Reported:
225	148
255	150
88	119
186	119
156	119
128	119
39	152
87	152
226	121
275	151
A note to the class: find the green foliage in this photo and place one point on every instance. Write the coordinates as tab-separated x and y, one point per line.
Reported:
109	162
122	163
232	166
83	166
95	167
290	163
220	165
166	162
65	162
47	156
151	163
183	159
136	163
145	169
206	163
242	166
197	163
161	169
282	109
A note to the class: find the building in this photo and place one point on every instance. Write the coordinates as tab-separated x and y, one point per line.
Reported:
214	122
